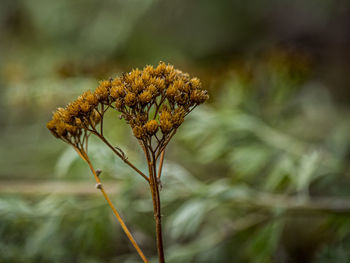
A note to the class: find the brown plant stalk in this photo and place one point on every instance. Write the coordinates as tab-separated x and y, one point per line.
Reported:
154	102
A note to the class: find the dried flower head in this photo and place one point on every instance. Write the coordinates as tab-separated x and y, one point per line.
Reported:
138	132
147	91
72	123
151	127
148	99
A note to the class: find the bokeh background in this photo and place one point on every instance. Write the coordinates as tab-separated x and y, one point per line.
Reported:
258	174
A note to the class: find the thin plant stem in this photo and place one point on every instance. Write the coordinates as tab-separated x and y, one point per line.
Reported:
161	164
151	161
165	144
158	216
121	156
120	220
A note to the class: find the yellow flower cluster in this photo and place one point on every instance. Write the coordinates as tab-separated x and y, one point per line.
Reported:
155	98
150	100
67	123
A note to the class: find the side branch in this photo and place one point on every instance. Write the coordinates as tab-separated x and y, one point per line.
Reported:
120	220
162	148
125	160
161	164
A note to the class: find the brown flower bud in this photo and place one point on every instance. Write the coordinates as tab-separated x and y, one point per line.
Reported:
117	82
159	83
138	132
170	77
71	129
153	90
73	109
95	117
61	129
186	88
199	96
165	121
171	92
52	126
160	68
130	99
117	92
151	127
145	97
102	90
146	75
119	104
78	122
142	117
178	84
85	107
166	126
169	68
182	99
178	117
138	85
90	98
196	83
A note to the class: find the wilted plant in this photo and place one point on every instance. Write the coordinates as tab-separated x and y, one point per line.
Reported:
154	102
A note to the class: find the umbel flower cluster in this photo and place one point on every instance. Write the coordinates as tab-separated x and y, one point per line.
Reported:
150	100
154	102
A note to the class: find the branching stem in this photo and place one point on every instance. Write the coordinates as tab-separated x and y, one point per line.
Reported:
84	156
121	156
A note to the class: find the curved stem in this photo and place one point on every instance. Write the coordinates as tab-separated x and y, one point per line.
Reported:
120	220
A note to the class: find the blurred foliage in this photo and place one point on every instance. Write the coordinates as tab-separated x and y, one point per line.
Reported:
243	174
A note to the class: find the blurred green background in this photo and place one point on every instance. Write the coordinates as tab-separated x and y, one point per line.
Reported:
258	174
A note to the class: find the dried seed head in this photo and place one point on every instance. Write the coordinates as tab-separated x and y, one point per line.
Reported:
60	126
166	126
119	104
138	132
130	99
160	69
171	92
147	74
137	86
159	83
145	97
102	90
78	122
72	109
85	107
151	127
95	118
199	96
178	117
165	121
196	83
181	98
153	90
148	99
116	82
117	92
